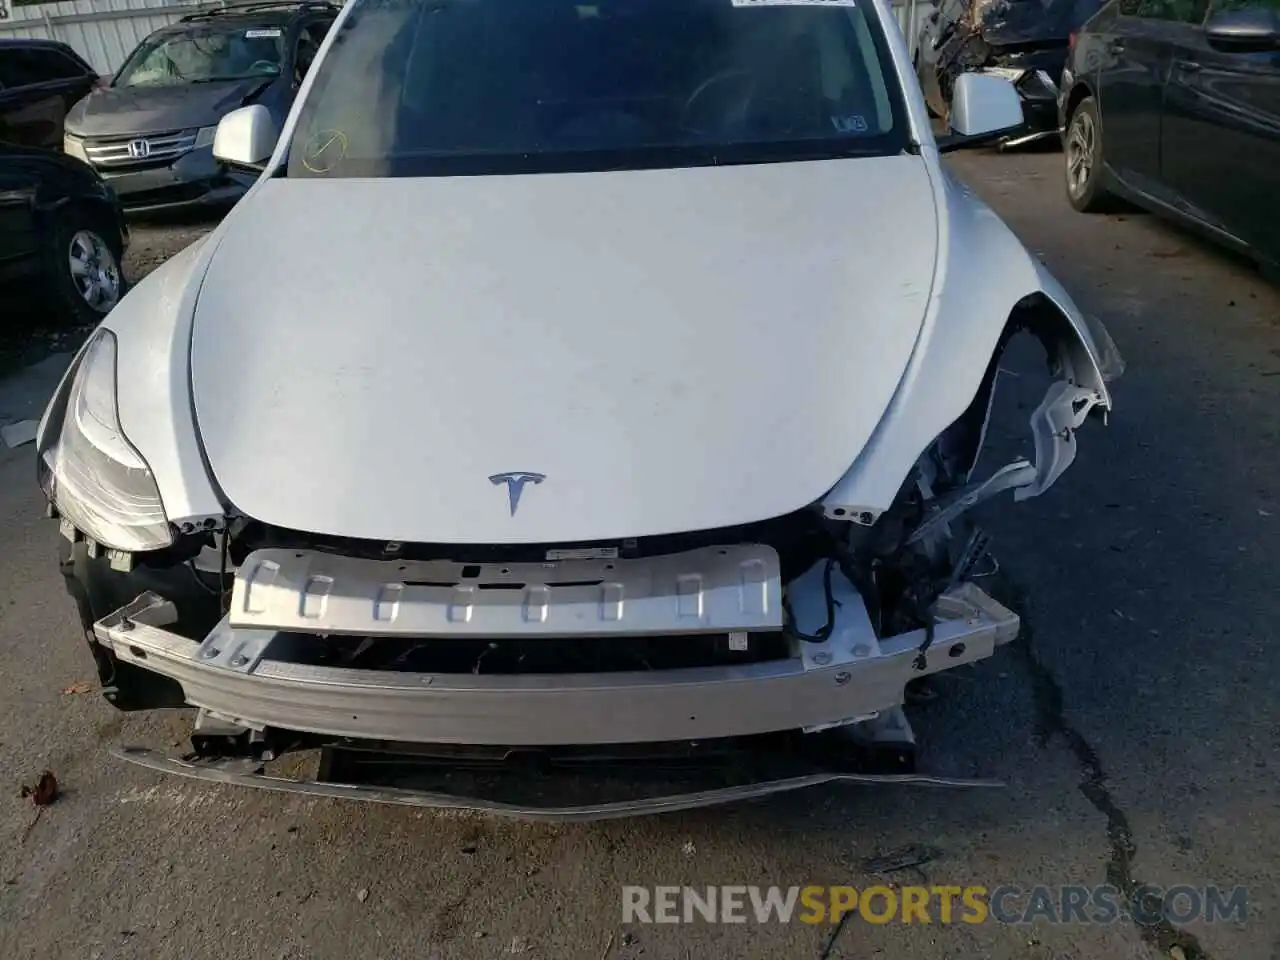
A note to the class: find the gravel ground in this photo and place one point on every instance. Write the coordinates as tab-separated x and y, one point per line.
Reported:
151	243
1134	722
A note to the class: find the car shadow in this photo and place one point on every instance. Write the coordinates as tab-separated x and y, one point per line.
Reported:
33	331
179	217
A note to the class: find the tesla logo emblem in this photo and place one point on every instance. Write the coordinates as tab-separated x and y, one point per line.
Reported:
139	149
515	482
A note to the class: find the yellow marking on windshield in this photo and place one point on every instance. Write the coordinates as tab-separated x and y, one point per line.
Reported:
324	151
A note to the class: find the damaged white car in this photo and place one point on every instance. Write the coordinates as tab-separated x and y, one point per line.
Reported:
577	418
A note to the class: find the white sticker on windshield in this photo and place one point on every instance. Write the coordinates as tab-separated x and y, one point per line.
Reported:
255	34
795	3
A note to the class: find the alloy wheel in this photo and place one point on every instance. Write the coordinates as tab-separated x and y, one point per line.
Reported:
1082	141
94	270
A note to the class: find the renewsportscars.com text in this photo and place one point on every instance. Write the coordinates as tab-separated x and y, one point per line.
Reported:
931	904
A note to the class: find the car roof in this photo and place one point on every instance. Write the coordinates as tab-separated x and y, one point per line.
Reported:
40	43
255	11
8	43
269	17
266	12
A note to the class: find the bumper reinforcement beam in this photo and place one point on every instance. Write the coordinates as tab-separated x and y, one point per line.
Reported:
253	678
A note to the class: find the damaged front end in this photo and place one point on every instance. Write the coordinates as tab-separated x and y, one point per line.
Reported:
1023	41
560	690
581	680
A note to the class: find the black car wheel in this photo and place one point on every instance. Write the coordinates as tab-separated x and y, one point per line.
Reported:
84	265
1083	152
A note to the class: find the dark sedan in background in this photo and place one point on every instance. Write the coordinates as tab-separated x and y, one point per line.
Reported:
150	131
1175	106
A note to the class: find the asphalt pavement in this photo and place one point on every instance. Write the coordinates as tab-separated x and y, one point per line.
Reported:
1135	722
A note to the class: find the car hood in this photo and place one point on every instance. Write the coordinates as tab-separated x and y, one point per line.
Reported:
125	111
672	350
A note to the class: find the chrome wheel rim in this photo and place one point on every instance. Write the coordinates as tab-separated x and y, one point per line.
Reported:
94	270
1082	141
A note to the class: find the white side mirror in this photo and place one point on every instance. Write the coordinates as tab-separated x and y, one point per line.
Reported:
982	104
246	137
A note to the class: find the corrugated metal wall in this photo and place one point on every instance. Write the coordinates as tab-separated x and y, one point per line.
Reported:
101	31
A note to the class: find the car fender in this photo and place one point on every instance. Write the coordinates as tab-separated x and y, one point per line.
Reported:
153	384
985	285
1080	90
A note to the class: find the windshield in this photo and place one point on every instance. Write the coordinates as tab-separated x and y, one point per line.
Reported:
423	87
205	52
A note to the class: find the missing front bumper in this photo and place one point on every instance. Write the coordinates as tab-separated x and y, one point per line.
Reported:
254	678
263	690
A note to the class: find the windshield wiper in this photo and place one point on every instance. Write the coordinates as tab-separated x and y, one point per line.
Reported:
234	76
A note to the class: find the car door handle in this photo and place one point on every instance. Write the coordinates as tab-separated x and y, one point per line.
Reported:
1188	66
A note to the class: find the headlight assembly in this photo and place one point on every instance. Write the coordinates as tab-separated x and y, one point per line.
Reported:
74	147
89	470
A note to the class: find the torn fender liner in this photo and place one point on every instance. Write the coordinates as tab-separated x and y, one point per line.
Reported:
236	771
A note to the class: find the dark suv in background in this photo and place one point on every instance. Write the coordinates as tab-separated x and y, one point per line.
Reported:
150	131
40	81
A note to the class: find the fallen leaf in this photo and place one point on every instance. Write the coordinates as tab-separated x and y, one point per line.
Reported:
78	688
363	894
44	792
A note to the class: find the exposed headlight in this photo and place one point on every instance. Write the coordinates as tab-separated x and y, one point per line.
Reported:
204	137
87	466
74	147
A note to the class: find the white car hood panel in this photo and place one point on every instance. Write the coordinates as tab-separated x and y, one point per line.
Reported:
674	349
